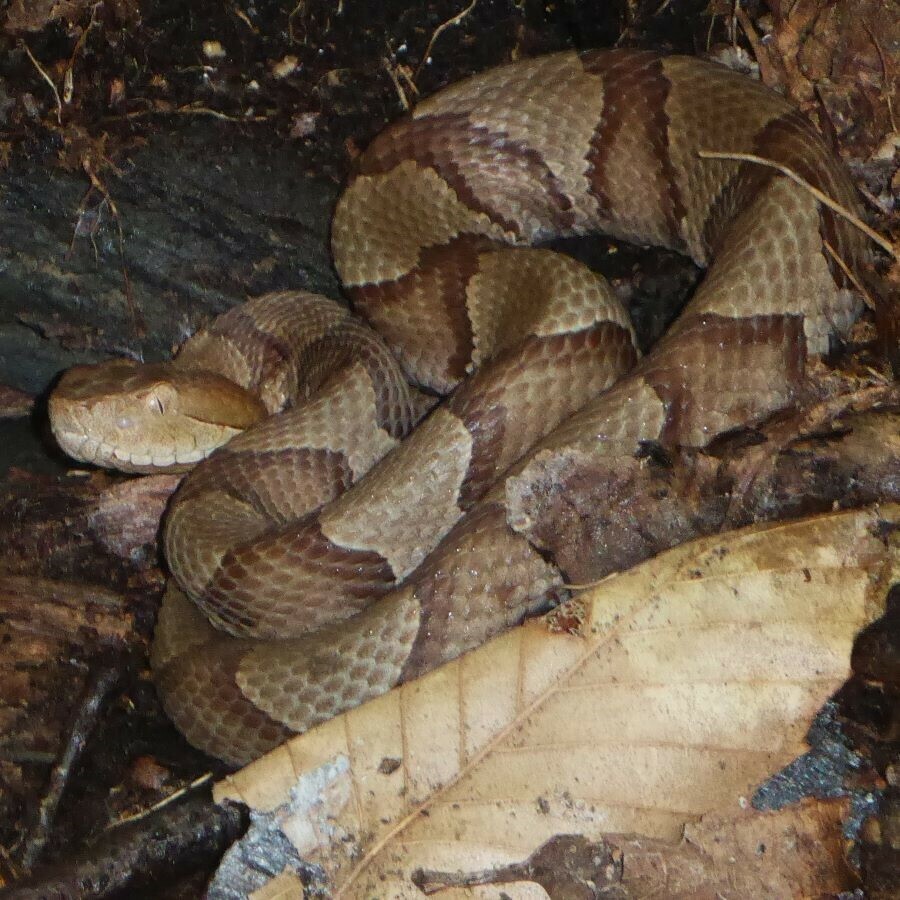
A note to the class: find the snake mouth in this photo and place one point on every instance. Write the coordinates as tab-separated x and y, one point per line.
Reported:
87	449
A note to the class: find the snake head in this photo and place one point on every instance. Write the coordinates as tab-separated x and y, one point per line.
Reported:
147	417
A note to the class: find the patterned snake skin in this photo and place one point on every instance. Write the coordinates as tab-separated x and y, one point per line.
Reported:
336	558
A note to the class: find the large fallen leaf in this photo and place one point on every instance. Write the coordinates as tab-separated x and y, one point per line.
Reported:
663	695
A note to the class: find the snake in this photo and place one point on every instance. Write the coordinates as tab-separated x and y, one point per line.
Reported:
343	524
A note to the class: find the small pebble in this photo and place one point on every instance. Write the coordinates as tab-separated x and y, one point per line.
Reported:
285	67
147	773
213	50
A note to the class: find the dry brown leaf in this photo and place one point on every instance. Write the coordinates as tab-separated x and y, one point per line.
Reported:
795	851
665	695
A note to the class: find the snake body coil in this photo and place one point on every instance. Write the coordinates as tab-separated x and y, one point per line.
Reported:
337	556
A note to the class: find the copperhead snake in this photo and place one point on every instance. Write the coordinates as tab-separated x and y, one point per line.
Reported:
337	557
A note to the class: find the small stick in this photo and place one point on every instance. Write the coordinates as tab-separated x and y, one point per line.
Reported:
186	111
660	9
585	586
846	270
197	783
136	318
405	73
243	17
886	74
822	198
96	694
439	31
79	45
401	94
298	8
206	111
760	51
49	81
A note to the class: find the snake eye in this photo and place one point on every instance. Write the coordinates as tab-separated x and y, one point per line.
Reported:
160	398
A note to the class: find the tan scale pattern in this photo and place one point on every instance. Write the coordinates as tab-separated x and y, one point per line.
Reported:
615	423
703	401
468	597
180	628
313	678
196	679
380	222
282	485
766	297
772	265
226	355
434	293
409	501
258	343
198	535
630	170
711	108
549	104
290	580
521	396
268	477
787	141
519	293
340	417
506	180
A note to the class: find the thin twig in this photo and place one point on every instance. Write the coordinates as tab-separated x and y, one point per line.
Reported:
405	73
188	111
846	270
99	689
291	16
660	9
215	114
438	32
760	51
587	585
166	801
79	45
885	74
137	319
822	198
244	18
206	111
49	81
401	94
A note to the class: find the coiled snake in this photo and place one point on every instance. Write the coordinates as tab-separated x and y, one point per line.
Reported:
335	555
